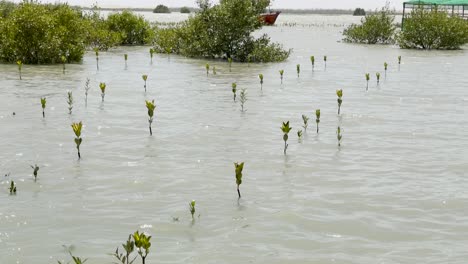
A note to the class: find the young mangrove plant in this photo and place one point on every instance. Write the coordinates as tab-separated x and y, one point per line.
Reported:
234	90
325	60
192	209
377	75
399	62
367	80
126	59
298	69
151	54
261	80
214	70
312	60
142	242
43	104
243	98
96	51
339	136
20	66
299	135
35	170
385	68
305	119
150	106
64	60
339	93
102	86
12	188
145	78
207	67
281	72
128	247
286	129
239	166
87	87
77	130
75	259
230	63
70	102
317	119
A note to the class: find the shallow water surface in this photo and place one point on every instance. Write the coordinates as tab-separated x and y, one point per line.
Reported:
395	192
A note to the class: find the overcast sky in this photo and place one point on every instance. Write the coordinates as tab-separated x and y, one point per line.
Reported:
296	4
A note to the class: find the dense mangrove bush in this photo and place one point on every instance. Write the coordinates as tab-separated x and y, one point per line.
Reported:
161	9
224	31
426	29
374	28
133	29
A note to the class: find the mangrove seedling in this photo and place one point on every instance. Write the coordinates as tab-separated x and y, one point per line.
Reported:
339	136
312	60
339	93
399	62
325	60
385	67
145	78
239	167
142	242
77	130
64	60
96	51
192	209
70	102
305	119
298	68
129	247
150	106
299	134
43	104
20	66
230	63
12	188
76	260
281	72
317	118
102	86
151	54
367	79
207	67
243	98
261	80
214	70
35	170
286	129
87	87
126	58
378	77
234	90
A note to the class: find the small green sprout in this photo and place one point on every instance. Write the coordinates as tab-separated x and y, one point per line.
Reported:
207	67
281	72
367	79
339	136
239	166
70	102
64	60
87	87
192	209
103	86
299	134
261	80
145	78
298	69
339	93
126	59
35	170
325	60
129	247
96	51
43	104
20	66
399	62
214	70
150	106
230	63
151	54
317	118
77	130
243	98
312	60
12	188
377	75
234	90
142	242
76	260
305	119
286	129
385	67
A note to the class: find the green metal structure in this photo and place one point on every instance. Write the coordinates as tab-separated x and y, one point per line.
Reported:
452	7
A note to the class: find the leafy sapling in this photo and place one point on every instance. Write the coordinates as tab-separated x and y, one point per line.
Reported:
339	93
298	69
317	118
126	59
70	102
305	119
281	72
234	90
143	244
312	60
230	64
43	104
385	68
339	136
96	51
102	86
286	129
87	87
399	62
207	67
75	259
12	188
239	166
150	106
20	66
145	78
192	209
261	80
367	80
151	54
243	98
77	130
325	60
35	170
64	60
377	75
128	247
299	135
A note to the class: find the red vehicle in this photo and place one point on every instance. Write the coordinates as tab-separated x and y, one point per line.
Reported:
269	18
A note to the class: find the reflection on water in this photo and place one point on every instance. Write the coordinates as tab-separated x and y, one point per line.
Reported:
394	193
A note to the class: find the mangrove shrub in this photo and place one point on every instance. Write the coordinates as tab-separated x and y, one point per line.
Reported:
133	29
